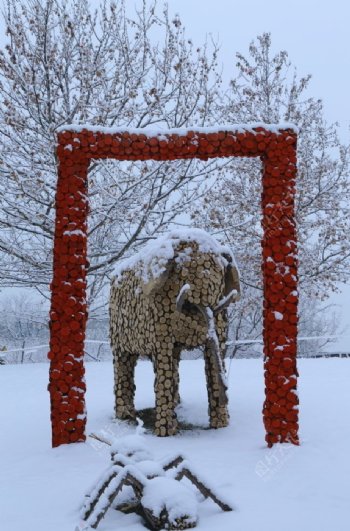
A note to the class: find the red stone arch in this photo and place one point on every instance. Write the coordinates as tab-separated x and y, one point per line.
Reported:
276	147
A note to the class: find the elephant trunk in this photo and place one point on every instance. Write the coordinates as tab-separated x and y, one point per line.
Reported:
212	338
214	350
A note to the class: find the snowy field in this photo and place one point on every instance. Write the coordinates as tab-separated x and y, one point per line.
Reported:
305	488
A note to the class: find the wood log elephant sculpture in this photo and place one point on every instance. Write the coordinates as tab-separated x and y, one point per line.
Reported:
173	296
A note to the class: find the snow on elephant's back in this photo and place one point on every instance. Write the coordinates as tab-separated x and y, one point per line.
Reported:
173	295
153	257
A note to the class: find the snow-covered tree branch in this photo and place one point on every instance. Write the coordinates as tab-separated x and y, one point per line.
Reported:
267	89
64	63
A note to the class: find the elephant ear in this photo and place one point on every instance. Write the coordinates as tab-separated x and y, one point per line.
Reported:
155	279
231	277
156	283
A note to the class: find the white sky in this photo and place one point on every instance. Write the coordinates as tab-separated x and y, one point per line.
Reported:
314	32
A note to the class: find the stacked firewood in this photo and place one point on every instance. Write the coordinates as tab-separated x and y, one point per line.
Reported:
161	315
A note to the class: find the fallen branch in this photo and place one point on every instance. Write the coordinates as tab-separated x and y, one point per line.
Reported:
100	439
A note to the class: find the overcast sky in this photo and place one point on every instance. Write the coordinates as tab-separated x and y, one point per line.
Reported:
314	32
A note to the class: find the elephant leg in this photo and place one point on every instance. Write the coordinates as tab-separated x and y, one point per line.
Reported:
218	411
176	378
124	386
166	422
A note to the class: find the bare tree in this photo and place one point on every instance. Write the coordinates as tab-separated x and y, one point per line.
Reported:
267	89
318	321
23	326
319	326
64	63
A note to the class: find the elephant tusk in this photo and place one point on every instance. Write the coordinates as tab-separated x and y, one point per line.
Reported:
233	296
180	299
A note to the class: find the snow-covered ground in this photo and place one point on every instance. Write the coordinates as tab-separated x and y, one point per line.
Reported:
287	487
